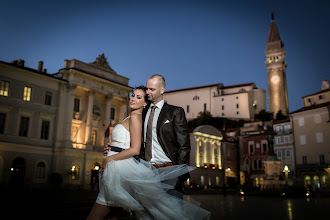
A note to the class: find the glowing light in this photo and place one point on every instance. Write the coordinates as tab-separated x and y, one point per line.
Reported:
12	169
97	167
73	168
286	169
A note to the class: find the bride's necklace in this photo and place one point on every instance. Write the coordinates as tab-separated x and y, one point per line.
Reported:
139	113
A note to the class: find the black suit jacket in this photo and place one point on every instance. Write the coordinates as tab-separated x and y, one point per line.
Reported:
172	134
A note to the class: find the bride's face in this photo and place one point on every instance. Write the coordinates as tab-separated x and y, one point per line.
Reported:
137	100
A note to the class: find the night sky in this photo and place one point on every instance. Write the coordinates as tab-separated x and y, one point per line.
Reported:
192	43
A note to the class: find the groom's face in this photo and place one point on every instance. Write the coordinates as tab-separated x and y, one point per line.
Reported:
154	90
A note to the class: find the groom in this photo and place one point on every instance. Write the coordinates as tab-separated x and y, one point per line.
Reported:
169	141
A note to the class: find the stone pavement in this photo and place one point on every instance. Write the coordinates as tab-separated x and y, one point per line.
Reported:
77	205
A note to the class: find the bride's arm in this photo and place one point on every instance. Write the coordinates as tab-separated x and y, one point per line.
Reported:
135	127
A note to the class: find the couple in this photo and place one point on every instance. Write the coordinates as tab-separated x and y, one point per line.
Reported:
145	186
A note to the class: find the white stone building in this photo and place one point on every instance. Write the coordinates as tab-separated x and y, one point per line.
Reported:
52	126
240	101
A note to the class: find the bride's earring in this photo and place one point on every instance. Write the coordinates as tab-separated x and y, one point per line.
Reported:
144	106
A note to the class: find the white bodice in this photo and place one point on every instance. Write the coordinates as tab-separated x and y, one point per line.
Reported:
120	137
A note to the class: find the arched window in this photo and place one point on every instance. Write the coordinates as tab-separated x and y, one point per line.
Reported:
75	172
307	181
41	170
324	181
316	181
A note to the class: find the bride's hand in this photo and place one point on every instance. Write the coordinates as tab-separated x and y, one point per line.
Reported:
105	162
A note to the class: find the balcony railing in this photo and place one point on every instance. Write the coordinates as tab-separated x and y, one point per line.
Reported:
312	166
287	131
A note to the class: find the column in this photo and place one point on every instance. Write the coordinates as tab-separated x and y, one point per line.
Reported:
123	109
69	115
205	151
108	110
89	122
218	145
212	148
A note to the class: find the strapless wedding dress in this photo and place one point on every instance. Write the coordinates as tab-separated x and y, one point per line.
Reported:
139	187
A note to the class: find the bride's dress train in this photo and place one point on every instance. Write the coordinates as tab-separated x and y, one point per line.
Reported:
148	192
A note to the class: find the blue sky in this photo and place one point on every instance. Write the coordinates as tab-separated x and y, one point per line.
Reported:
192	43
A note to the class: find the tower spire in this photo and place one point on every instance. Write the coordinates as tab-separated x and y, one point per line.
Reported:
274	39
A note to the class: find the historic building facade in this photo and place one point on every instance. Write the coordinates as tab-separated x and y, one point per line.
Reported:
240	101
311	126
284	147
215	159
52	125
254	149
276	68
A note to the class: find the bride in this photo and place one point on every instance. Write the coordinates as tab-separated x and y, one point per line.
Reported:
136	185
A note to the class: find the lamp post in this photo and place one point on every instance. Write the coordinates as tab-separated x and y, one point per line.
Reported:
286	170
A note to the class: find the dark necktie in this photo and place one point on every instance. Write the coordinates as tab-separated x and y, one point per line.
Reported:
148	150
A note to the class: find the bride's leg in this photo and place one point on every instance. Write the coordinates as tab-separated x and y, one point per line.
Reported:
98	212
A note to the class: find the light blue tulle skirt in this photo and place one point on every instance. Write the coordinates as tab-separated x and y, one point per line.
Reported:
148	192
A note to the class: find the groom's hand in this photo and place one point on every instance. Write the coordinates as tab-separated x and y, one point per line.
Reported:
106	150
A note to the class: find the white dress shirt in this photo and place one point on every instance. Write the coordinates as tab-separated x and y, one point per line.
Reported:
158	155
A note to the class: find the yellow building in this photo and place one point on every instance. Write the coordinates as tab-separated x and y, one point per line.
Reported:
311	125
214	158
52	125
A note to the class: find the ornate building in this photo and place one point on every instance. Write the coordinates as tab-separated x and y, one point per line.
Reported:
52	125
214	157
276	68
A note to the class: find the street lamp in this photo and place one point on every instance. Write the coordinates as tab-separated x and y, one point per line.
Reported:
286	170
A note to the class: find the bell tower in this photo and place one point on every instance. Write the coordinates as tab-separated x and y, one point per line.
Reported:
276	66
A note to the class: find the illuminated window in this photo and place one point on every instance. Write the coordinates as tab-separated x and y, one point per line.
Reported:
4	88
307	182
94	133
316	181
27	94
324	180
75	172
